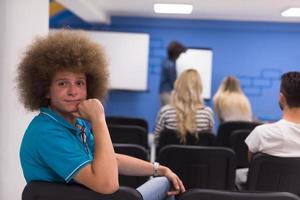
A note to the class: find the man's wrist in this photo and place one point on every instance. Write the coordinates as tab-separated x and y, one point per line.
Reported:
155	169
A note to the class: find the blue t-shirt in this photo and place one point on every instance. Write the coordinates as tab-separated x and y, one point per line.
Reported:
53	149
168	76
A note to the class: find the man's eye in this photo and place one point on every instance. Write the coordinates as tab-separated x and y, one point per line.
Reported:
62	83
80	83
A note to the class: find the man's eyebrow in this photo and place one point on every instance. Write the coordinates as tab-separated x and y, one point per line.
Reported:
60	79
80	78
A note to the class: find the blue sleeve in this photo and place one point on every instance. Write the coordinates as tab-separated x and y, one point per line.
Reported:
167	71
168	75
62	152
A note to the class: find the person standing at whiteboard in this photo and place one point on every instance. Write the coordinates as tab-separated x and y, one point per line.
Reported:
168	73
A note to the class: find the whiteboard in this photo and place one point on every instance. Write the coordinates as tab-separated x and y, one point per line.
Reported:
128	58
201	60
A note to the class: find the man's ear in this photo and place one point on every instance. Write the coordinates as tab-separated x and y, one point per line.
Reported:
282	99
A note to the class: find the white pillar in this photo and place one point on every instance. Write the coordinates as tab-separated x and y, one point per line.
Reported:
20	22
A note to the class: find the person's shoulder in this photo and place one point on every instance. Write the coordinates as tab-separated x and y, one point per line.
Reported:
38	122
39	131
207	109
274	128
42	121
44	126
269	125
168	107
167	110
167	63
284	125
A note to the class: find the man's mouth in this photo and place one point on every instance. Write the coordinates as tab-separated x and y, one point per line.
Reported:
73	101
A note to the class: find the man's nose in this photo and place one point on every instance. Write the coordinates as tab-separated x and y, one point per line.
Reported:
72	90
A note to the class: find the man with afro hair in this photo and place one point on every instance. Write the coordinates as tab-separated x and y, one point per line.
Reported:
64	76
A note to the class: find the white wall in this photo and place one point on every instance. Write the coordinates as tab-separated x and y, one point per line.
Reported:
20	22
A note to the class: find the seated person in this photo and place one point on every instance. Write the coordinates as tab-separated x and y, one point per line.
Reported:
281	138
186	113
230	102
64	75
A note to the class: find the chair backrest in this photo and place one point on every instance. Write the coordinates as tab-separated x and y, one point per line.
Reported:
227	128
168	136
271	173
128	134
199	166
237	143
136	151
119	120
54	191
208	194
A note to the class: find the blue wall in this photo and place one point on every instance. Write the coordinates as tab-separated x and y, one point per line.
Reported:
257	53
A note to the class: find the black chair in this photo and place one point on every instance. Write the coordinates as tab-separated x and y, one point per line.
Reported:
227	128
136	151
237	143
271	173
128	134
119	120
60	191
208	194
199	166
168	136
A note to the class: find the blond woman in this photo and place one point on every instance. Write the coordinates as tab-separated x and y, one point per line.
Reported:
186	113
230	102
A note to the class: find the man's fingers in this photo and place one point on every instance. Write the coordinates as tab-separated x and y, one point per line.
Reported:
177	185
182	188
171	193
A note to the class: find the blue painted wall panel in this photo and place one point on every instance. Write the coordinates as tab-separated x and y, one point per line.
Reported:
257	53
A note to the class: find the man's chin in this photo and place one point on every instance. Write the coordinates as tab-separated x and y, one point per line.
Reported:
72	109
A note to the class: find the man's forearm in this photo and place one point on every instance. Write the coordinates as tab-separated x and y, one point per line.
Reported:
136	167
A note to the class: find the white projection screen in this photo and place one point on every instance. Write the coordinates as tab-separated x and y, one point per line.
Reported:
128	58
201	60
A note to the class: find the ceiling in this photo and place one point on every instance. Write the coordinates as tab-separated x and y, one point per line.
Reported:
237	10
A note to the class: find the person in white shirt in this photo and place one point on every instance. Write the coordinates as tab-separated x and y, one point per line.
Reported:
281	138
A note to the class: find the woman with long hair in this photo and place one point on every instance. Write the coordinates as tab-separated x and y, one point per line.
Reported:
186	113
230	102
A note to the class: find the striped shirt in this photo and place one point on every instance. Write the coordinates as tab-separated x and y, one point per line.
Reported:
166	119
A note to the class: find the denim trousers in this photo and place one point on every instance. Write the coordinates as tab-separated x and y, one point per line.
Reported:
156	189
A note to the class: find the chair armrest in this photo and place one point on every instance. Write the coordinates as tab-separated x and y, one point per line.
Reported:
39	190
